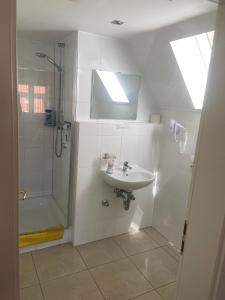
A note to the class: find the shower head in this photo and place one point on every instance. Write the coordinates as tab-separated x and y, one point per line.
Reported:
43	55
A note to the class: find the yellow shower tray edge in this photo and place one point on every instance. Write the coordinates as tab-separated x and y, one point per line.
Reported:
38	237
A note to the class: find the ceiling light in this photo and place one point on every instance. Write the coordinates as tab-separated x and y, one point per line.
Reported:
117	22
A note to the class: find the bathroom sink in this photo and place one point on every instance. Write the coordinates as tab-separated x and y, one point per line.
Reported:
134	179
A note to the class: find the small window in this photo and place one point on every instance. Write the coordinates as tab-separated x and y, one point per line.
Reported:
39	98
23	90
32	98
24	103
193	56
39	89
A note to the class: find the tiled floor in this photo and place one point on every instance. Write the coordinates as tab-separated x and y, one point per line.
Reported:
140	266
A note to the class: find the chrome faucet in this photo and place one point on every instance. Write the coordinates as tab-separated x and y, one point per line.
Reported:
126	166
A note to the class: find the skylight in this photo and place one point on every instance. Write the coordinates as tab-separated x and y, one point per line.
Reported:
113	86
193	57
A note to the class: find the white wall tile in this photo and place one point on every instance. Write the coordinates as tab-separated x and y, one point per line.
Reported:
89	51
130	149
111	129
84	81
89	151
83	111
112	145
174	176
89	186
89	128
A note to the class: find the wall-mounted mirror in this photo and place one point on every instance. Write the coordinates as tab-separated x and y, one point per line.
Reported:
114	95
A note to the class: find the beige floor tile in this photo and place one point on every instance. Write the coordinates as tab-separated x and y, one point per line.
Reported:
173	252
31	293
73	287
100	252
28	276
120	280
133	243
149	296
156	236
157	265
57	261
168	292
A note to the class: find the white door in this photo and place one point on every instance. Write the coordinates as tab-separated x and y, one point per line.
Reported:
206	214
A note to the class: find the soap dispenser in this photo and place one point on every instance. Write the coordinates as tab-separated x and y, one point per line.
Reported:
111	163
104	161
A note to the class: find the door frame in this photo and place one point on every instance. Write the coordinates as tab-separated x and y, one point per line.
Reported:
9	278
202	263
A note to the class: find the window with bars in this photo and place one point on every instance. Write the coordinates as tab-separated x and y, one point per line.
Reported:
32	98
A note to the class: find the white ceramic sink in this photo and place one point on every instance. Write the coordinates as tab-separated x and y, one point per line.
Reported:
134	179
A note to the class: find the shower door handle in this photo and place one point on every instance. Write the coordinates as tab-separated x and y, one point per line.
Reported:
22	195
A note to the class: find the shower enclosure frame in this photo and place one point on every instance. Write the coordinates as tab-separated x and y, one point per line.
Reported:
62	125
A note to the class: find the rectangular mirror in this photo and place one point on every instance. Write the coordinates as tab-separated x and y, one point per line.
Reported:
114	95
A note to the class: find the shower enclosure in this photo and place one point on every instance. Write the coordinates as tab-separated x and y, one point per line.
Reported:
45	115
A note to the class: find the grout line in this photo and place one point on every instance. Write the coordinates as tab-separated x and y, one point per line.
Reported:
123	251
142	273
161	246
154	239
101	264
156	290
146	294
128	257
59	276
68	275
145	251
42	292
165	285
89	271
177	260
141	252
104	264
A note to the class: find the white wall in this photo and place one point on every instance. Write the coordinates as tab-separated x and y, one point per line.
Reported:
167	89
92	221
174	175
35	139
135	142
108	54
158	64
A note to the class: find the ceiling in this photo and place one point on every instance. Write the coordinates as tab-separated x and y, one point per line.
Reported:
94	16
